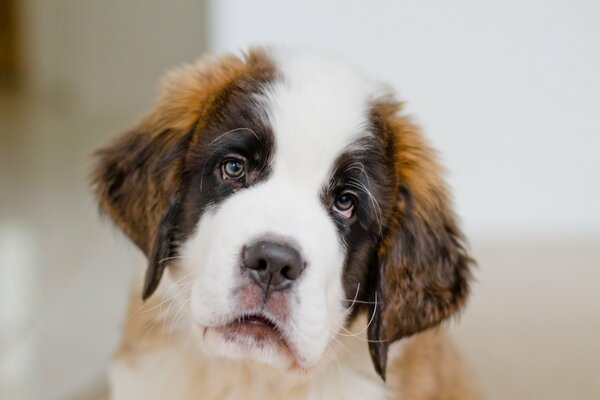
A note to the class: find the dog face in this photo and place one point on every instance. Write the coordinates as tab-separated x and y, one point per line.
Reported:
291	195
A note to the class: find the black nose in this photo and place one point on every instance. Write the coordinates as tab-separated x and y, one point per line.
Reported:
272	265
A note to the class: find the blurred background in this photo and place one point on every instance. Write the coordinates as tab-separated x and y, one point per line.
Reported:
509	92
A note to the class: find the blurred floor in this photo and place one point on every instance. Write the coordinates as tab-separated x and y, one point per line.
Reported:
63	274
531	331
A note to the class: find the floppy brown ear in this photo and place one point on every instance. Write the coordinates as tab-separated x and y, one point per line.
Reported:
422	273
139	179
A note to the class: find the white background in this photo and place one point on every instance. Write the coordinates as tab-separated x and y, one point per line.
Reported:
508	91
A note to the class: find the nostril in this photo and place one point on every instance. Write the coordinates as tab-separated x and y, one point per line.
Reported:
262	264
273	265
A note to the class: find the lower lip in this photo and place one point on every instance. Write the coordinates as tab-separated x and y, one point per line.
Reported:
252	332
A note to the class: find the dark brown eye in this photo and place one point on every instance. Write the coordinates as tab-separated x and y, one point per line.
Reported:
344	204
233	169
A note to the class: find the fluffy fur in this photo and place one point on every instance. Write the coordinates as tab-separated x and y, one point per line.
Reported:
310	133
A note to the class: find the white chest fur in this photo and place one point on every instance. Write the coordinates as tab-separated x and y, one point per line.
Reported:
173	372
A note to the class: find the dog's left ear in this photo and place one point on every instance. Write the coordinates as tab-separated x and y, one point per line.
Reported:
422	270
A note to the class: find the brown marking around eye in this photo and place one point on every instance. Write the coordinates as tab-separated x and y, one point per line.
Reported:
139	179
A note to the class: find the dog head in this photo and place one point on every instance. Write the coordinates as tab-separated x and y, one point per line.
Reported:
292	195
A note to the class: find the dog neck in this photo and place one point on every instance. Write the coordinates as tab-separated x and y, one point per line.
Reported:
158	360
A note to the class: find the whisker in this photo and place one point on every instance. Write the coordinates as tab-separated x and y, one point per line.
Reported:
338	341
337	361
178	315
355	296
375	204
231	131
362	339
142	309
357	334
372	316
361	302
173	258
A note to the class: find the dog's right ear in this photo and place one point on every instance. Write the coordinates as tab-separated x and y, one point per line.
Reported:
139	179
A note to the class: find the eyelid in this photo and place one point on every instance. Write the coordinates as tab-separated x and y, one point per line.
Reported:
346	213
347	191
233	156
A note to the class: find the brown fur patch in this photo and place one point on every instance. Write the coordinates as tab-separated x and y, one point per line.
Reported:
430	368
423	272
138	178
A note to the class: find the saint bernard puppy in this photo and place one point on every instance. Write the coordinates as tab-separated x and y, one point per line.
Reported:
303	233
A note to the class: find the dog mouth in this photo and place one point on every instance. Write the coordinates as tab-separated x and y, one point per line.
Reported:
254	330
257	320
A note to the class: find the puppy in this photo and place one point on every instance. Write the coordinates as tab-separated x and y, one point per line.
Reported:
303	234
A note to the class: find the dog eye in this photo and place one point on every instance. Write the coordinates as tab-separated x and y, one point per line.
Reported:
344	204
233	168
